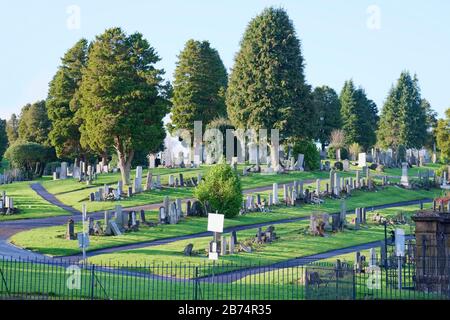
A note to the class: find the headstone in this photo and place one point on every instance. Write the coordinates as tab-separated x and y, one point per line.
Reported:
362	160
404	181
275	193
63	174
138	180
299	164
70	234
188	250
162	215
149	181
223	246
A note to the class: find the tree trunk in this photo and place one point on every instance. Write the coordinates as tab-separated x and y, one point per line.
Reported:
125	165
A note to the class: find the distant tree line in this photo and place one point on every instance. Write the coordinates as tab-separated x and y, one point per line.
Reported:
108	99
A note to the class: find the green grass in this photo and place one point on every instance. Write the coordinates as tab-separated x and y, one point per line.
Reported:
294	241
51	240
29	203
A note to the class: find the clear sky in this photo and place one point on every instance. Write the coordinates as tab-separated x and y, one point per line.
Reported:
369	41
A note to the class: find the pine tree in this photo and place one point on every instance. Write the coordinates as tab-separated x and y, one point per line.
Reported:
443	137
403	119
199	86
3	138
12	129
328	107
267	86
123	98
65	133
359	116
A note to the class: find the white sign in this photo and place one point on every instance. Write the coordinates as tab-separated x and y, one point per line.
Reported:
83	240
215	222
400	242
214	256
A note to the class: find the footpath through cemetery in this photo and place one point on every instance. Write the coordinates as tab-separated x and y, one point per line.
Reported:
247	185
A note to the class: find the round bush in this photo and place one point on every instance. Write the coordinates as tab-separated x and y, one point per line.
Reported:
222	189
310	151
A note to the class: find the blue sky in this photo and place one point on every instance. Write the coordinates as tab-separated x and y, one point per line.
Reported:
341	39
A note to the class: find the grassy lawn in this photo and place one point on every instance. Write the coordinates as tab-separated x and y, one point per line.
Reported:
294	241
29	203
51	240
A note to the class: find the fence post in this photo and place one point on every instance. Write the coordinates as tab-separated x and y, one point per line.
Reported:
92	281
196	284
354	283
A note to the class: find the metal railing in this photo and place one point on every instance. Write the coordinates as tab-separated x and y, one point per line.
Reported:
49	279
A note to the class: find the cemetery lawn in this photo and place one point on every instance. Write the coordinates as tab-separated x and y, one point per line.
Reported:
74	193
29	203
294	241
50	240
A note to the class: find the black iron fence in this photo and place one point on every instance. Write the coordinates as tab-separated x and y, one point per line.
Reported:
49	279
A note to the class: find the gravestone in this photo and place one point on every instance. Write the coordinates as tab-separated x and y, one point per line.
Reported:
162	215
138	180
63	173
149	181
299	163
70	233
404	181
362	160
223	246
188	250
275	193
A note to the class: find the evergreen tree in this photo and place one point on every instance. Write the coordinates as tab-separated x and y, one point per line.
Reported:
199	86
123	98
65	133
359	116
432	121
443	137
403	119
12	129
267	86
3	138
34	124
328	107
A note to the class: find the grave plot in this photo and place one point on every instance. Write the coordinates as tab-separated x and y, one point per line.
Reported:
266	246
50	238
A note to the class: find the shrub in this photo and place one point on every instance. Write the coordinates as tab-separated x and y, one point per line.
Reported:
222	189
29	157
310	151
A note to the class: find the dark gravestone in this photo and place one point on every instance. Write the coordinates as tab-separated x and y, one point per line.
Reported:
197	209
92	197
143	217
188	250
130	192
181	180
91	226
338	166
234	236
70	235
188	208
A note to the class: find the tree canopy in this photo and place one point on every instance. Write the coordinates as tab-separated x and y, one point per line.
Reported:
65	133
443	136
3	138
403	119
123	98
267	87
328	107
359	116
199	86
12	129
34	124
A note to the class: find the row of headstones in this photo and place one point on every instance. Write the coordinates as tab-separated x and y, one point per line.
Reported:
7	204
123	221
360	260
170	213
10	176
222	246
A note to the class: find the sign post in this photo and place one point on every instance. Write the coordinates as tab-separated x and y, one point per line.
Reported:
215	224
83	238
